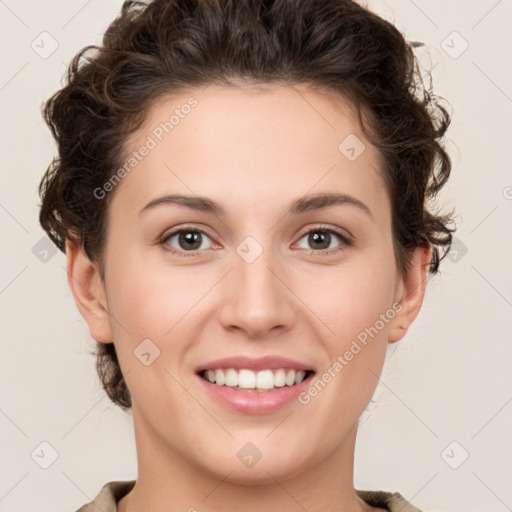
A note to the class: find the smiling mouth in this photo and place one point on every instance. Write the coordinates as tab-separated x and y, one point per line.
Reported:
259	381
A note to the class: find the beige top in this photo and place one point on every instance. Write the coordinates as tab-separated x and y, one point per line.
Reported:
112	492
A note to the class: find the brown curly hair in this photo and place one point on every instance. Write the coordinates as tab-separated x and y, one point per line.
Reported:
152	49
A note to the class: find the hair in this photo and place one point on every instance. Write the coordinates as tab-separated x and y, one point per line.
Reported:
154	49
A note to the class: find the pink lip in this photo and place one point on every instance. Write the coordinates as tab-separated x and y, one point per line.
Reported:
255	364
255	402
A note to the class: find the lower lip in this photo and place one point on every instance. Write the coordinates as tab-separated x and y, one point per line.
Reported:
255	402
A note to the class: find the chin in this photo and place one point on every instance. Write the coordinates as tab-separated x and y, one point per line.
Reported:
262	473
257	462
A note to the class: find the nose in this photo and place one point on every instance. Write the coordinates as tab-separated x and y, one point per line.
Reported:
257	299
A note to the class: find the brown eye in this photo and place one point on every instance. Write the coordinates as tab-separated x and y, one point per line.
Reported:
186	240
319	239
322	239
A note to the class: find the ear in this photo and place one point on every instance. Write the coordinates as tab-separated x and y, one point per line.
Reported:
88	291
410	292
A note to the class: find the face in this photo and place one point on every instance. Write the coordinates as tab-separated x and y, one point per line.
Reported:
266	276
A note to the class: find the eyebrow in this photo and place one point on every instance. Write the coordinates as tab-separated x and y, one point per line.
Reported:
300	205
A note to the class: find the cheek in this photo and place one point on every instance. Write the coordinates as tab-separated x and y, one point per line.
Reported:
354	298
148	299
357	307
150	307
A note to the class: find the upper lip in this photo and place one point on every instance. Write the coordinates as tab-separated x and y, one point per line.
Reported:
272	362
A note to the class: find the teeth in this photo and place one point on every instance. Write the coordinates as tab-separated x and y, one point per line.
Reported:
279	378
231	377
219	377
265	379
248	379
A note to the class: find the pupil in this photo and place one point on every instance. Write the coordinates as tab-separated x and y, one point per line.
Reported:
318	236
189	237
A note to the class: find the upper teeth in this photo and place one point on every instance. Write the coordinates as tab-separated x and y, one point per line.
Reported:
247	379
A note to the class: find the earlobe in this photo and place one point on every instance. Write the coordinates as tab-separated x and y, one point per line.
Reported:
88	291
410	293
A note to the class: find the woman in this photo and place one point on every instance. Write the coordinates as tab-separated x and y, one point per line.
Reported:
205	149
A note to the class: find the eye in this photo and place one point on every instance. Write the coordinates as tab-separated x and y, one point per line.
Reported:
321	237
188	239
191	240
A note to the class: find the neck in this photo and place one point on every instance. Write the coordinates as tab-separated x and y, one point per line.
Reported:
168	482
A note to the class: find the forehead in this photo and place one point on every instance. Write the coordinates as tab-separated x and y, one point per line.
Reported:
243	145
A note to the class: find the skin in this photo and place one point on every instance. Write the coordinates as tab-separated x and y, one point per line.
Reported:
254	150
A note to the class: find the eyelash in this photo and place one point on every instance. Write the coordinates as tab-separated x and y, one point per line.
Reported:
318	229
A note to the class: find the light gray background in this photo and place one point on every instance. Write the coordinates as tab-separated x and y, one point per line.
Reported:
449	380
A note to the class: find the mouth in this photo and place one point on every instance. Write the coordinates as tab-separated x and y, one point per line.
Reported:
245	379
249	385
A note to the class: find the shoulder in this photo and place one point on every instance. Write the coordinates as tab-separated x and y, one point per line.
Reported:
392	501
109	496
112	492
